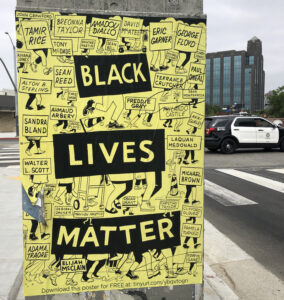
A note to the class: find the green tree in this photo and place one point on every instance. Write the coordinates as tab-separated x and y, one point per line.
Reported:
276	103
211	110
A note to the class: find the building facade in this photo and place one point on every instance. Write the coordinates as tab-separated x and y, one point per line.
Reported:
7	111
236	77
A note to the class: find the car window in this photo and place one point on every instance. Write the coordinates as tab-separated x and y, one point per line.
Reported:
245	122
208	122
219	123
262	123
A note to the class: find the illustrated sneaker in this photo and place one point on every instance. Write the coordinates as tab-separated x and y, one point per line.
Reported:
146	206
71	282
33	237
45	236
152	274
114	124
131	275
195	202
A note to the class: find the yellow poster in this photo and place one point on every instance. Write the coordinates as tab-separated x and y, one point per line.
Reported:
111	113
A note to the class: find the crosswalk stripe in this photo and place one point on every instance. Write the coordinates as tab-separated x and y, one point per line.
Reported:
8	157
280	171
5	151
14	148
225	196
265	182
9	161
11	153
13	167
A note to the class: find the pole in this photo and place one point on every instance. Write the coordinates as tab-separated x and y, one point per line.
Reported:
10	77
15	84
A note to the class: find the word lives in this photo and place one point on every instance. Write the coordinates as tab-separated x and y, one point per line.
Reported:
109	152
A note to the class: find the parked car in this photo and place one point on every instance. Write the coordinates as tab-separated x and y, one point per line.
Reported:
228	133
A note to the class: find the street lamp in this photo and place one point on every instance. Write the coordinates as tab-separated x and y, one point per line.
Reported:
15	84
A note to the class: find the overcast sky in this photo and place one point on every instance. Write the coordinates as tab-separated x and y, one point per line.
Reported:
231	23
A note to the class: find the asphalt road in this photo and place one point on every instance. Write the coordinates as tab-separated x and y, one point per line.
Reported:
259	228
9	153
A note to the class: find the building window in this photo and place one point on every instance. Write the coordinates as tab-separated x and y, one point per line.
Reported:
227	81
216	80
247	102
251	60
237	79
208	68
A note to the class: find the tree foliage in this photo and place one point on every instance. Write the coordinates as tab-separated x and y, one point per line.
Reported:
211	110
276	103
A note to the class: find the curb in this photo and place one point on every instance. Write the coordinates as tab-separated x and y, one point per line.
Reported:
9	138
15	288
221	289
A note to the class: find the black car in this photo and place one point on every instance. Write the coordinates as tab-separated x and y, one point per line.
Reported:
228	133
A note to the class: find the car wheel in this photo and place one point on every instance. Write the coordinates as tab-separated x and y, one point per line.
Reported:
213	149
228	146
282	146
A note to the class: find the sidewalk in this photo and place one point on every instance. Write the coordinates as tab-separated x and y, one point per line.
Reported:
8	136
11	253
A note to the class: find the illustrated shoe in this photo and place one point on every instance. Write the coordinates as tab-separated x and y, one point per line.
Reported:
111	211
40	107
125	116
53	279
171	275
39	151
71	282
180	70
87	279
31	191
185	246
162	68
146	206
148	124
194	161
29	107
131	275
58	201
45	236
37	279
152	274
59	94
117	204
114	124
47	71
118	272
34	67
181	271
195	202
33	237
153	68
68	199
197	246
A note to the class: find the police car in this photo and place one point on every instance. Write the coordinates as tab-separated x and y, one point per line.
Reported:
228	133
